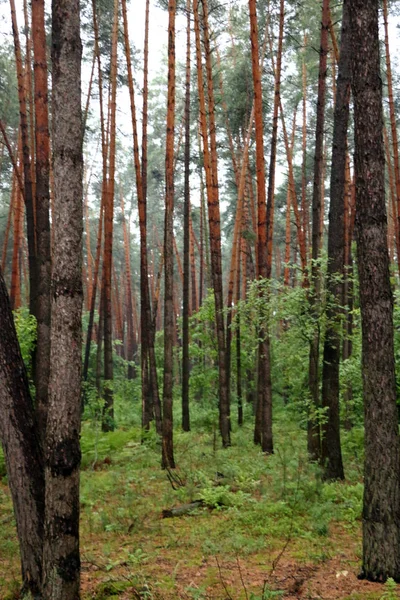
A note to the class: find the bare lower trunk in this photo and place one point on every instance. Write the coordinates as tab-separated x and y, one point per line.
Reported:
186	246
381	506
331	449
167	437
314	439
61	560
22	449
108	420
263	424
43	257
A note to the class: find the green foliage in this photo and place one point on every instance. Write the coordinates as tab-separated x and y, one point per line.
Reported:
390	590
25	325
268	594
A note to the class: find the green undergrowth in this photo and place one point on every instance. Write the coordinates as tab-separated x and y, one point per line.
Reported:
257	512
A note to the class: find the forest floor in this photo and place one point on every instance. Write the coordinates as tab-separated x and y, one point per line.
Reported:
269	527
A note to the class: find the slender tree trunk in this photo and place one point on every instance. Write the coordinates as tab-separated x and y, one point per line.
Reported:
16	169
15	289
186	242
152	384
104	153
29	97
274	141
211	170
393	224
100	337
108	420
11	209
22	449
201	252
288	238
61	561
304	203
238	344
167	437
42	188
129	307
28	193
313	433
150	396
194	293
381	506
331	449
393	124
263	425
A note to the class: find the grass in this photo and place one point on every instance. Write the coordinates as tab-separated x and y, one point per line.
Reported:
269	521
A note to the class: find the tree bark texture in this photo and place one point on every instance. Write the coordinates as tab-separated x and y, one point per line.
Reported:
22	449
108	416
42	203
186	243
330	443
211	171
263	425
313	433
26	152
381	506
167	435
61	566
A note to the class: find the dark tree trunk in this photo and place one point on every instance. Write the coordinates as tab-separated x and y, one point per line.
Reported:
43	255
215	243
22	449
103	192
313	434
381	507
61	561
330	444
238	340
186	242
167	434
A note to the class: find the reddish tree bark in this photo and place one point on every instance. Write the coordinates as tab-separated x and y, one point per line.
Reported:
167	434
263	425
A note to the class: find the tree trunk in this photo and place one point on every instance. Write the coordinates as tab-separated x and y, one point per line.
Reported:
42	189
186	242
393	123
28	193
61	561
13	199
22	449
108	417
313	433
15	289
167	437
104	147
274	141
129	303
381	507
263	425
211	171
304	203
238	341
331	449
150	395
